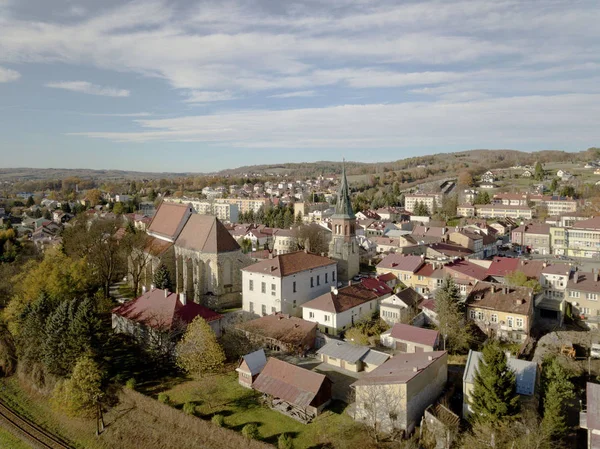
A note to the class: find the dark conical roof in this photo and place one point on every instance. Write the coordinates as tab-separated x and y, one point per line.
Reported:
343	208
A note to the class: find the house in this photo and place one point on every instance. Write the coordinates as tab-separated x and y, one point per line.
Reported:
501	311
579	240
389	279
466	274
429	311
284	241
532	238
443	424
158	315
285	282
590	418
583	292
351	357
429	277
400	307
500	267
468	239
281	332
402	266
526	374
250	367
407	338
385	244
340	309
526	174
292	390
553	279
395	395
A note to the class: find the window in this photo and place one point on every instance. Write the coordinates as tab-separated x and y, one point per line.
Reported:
273	290
573	294
273	310
263	287
472	314
480	316
326	318
312	282
318	279
333	276
519	323
264	309
494	318
251	306
251	285
420	278
326	280
591	296
311	314
294	305
509	321
294	286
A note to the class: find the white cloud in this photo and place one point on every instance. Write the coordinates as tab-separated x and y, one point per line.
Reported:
86	87
208	96
8	75
298	93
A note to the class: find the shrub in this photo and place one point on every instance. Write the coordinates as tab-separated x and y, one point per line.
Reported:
250	431
131	384
189	408
164	398
285	442
218	420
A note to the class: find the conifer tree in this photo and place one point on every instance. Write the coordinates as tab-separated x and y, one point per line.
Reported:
161	278
57	327
199	351
494	396
557	390
450	316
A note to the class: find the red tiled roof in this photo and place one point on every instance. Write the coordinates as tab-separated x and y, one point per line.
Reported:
290	263
401	262
426	270
281	327
387	277
346	299
376	286
413	334
289	382
502	265
157	311
585	282
504	298
207	234
591	223
468	269
534	228
168	219
428	304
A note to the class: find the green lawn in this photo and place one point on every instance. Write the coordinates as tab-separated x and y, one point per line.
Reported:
221	394
8	440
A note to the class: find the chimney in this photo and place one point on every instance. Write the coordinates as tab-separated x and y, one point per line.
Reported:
576	277
270	255
595	275
519	302
505	289
152	287
350	282
415	369
143	289
166	292
430	358
182	299
332	288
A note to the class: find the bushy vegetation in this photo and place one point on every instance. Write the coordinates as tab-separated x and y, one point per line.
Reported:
250	431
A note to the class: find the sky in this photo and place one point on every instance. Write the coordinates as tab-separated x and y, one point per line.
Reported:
199	86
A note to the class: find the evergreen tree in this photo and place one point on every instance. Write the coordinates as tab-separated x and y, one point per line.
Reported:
539	172
161	278
450	315
66	208
30	202
288	219
57	328
557	391
299	219
494	396
421	209
47	215
199	351
31	337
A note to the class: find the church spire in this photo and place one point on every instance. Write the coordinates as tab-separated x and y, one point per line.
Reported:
343	208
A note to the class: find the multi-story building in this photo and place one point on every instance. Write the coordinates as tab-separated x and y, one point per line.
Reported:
428	199
501	311
246	204
285	282
402	266
502	211
581	240
583	294
553	279
560	205
532	237
223	211
510	199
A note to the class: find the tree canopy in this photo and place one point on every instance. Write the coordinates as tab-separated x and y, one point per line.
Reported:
199	351
450	316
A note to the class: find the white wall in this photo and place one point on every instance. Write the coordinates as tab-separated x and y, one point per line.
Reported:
343	320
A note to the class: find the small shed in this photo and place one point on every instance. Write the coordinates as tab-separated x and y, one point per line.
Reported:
250	367
351	357
407	338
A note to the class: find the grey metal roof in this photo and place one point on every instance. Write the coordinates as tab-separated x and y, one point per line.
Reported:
256	361
375	357
526	372
344	351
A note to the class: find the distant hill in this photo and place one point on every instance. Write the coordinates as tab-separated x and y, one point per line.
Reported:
38	174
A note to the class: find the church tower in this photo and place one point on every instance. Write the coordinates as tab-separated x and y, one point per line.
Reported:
344	246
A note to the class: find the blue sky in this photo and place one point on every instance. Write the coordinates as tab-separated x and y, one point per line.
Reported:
194	86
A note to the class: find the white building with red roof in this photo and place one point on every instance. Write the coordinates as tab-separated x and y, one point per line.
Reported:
407	338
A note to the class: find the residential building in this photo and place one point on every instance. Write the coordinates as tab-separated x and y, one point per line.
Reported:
284	241
428	278
502	211
395	395
351	357
407	338
385	244
580	240
402	266
281	332
292	390
250	367
246	204
558	205
226	212
525	372
158	316
465	210
428	199
590	418
467	239
343	247
553	279
583	294
501	311
400	307
340	309
532	238
285	282
466	274
511	199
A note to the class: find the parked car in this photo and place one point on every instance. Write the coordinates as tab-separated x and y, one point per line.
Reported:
595	351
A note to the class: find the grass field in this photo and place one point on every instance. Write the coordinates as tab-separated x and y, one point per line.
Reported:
8	440
221	394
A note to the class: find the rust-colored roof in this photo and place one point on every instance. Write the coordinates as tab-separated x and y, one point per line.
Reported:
387	277
401	262
586	282
168	219
156	247
491	296
467	268
426	270
348	297
400	369
281	327
290	263
289	382
451	249
158	311
501	266
207	234
591	223
413	334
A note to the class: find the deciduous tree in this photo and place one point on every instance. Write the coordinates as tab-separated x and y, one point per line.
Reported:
199	351
80	394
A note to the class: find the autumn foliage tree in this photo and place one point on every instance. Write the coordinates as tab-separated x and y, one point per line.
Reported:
199	352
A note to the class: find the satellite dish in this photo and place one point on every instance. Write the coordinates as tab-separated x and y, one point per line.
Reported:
335	291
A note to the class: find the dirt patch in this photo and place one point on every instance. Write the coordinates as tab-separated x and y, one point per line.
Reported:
551	344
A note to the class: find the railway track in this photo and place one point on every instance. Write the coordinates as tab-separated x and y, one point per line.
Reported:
31	432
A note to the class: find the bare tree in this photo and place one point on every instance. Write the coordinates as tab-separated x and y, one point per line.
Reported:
382	409
138	248
311	238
